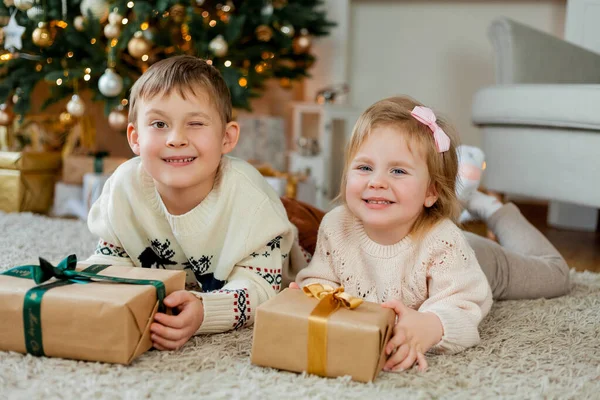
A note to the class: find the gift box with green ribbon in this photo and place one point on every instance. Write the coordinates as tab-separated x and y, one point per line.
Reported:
322	331
76	166
83	312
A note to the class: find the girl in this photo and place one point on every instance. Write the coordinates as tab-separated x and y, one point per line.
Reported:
394	239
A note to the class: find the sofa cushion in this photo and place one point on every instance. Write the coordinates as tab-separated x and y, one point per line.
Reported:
550	105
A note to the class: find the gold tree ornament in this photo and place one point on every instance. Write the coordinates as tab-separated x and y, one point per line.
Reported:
117	119
264	33
138	45
6	116
66	119
301	44
16	97
286	63
279	3
41	36
177	13
9	3
285	83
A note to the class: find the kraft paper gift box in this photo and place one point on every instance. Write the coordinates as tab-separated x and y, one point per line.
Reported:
292	333
76	166
106	320
27	180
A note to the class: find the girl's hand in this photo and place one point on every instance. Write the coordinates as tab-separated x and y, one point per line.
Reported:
414	334
294	285
171	332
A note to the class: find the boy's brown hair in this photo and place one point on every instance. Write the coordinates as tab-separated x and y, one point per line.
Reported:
443	167
185	74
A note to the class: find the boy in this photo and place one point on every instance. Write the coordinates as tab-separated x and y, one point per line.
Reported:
182	204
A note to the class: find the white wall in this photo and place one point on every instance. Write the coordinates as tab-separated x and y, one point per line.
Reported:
435	51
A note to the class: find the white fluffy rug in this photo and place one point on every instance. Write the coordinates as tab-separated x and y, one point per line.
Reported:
541	349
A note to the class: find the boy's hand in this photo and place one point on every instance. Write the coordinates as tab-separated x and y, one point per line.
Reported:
414	334
171	332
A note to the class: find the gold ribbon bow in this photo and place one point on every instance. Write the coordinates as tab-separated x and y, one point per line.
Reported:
292	179
330	300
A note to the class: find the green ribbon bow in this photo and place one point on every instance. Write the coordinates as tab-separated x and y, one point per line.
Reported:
99	161
65	274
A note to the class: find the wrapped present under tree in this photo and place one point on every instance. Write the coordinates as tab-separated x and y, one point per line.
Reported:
27	180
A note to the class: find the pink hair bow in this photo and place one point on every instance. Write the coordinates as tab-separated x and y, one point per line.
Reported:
426	116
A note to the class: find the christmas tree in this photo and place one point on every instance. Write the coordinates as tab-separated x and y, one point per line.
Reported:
104	46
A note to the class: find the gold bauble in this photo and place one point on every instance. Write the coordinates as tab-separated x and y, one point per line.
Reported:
138	45
279	3
177	13
117	119
9	3
6	116
285	83
286	63
41	36
301	44
264	33
65	118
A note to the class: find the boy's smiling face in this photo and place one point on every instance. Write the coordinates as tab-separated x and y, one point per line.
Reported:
181	141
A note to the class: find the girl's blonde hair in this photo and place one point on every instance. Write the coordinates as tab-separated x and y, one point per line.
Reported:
443	167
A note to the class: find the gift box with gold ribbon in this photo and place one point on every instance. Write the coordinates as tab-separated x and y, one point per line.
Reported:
83	312
322	331
27	180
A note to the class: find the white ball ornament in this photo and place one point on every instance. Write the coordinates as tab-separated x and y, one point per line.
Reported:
79	23
114	18
218	46
110	83
76	106
112	31
117	119
267	10
23	5
98	8
35	13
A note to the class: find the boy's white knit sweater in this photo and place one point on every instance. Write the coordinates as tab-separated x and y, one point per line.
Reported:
235	243
438	273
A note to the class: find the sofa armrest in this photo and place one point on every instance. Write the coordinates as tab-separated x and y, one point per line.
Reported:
526	55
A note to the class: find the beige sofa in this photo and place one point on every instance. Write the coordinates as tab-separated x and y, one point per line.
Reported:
541	123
